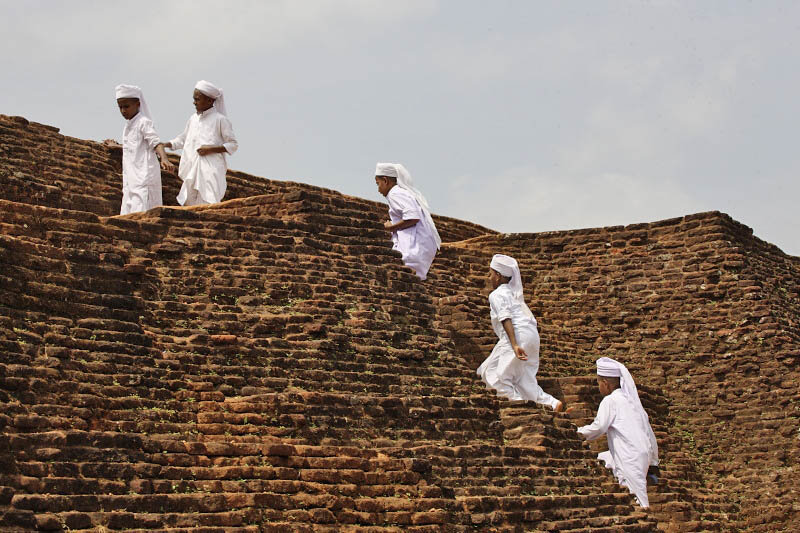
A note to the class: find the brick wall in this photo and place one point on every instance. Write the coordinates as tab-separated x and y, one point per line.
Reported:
268	364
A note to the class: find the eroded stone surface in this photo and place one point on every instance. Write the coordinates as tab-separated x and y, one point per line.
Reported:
266	364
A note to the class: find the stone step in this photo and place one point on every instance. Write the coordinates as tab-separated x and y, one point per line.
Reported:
212	509
579	505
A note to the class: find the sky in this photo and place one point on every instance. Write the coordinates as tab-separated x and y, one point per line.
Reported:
522	116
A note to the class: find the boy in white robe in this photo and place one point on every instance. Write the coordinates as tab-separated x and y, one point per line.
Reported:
141	172
512	366
413	232
208	136
632	446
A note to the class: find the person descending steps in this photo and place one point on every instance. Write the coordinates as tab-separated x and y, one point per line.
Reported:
141	175
413	232
206	140
632	448
511	368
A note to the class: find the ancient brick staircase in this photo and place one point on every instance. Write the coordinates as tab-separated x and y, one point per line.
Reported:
267	364
679	503
696	306
254	362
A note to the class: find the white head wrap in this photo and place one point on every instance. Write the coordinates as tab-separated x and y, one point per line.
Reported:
396	170
212	91
610	368
132	91
508	267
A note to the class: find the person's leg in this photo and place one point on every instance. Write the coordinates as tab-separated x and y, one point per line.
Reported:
125	206
531	390
502	384
193	198
488	370
528	385
137	200
505	388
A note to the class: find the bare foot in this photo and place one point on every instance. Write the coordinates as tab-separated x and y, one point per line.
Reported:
561	407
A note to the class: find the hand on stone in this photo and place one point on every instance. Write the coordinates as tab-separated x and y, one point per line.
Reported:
112	143
388	224
167	165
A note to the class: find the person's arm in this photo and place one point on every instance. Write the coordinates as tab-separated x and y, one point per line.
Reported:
178	142
508	326
150	136
402	224
229	144
406	205
601	423
500	306
166	164
207	149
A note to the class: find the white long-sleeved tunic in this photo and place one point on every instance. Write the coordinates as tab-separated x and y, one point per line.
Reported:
204	175
502	371
416	243
141	172
631	443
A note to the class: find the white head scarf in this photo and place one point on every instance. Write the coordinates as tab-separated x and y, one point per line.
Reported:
508	267
212	91
396	170
614	369
132	91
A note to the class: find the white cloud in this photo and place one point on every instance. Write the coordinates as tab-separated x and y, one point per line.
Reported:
524	200
197	31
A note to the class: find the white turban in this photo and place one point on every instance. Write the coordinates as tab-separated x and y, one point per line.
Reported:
396	170
132	91
212	91
508	267
610	368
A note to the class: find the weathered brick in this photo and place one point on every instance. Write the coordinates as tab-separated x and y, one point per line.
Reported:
345	383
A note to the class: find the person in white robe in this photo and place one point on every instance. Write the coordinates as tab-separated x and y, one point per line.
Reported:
206	140
413	232
632	446
141	172
511	368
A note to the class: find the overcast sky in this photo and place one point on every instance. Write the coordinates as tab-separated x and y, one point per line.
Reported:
523	116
